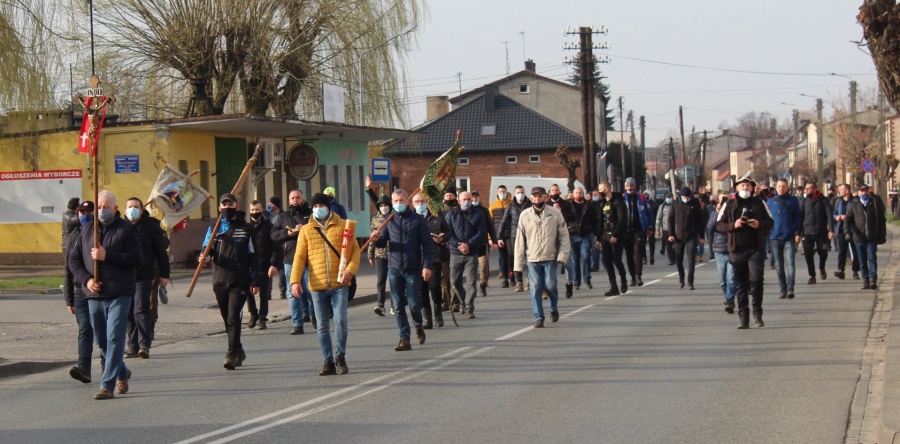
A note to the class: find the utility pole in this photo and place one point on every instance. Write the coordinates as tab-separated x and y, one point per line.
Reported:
505	43
773	134
622	138
588	98
797	135
632	143
524	58
820	143
672	165
703	143
459	79
643	126
681	127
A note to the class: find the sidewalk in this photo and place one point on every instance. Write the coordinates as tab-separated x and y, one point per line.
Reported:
885	372
37	333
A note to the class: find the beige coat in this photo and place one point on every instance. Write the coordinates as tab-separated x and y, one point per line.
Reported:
541	238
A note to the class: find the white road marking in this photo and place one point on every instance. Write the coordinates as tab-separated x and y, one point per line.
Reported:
610	298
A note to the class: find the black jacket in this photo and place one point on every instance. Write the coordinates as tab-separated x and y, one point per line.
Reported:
510	221
262	236
70	225
118	272
816	214
613	217
568	213
290	218
154	243
439	251
585	221
489	227
866	223
746	236
71	289
686	220
234	255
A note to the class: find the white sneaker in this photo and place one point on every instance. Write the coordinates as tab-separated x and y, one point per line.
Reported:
392	311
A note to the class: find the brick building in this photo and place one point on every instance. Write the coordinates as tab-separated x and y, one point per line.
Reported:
500	136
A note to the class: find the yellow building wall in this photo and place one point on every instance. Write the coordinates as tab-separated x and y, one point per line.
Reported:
58	151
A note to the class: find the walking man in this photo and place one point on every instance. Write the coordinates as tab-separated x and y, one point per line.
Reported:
785	212
484	251
467	232
109	293
285	231
865	225
409	263
262	236
746	219
719	247
276	270
509	227
662	228
686	229
817	229
651	233
639	223
542	244
317	256
75	301
378	256
497	209
841	204
581	233
611	226
439	232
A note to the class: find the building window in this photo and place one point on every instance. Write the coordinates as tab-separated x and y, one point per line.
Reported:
512	159
463	160
534	159
489	129
462	184
523	89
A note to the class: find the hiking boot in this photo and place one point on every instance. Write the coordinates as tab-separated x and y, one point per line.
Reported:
262	324
483	290
790	294
505	284
811	281
130	353
729	306
104	393
144	352
519	288
379	310
80	374
839	274
438	319
783	295
554	316
873	286
866	285
612	292
328	369
297	330
239	358
229	361
420	335
341	364
539	323
568	291
253	319
823	274
403	345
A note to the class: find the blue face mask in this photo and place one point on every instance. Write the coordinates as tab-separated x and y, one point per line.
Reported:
133	213
320	213
85	218
501	196
399	207
421	209
668	200
864	198
270	208
476	203
596	198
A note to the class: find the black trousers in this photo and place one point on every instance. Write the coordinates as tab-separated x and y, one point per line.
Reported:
689	247
433	287
505	264
818	242
612	257
264	295
634	244
651	239
749	265
667	248
140	324
231	302
381	269
843	247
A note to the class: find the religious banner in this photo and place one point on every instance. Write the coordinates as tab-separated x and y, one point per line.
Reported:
440	175
175	195
94	103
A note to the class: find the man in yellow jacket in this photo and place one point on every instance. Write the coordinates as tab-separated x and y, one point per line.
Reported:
318	247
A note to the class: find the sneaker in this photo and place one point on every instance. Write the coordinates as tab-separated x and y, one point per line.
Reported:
403	345
80	374
612	292
379	310
539	323
130	353
262	324
420	335
790	294
253	319
839	274
392	311
519	288
328	369
554	316
104	393
588	285
144	352
297	330
341	363
811	281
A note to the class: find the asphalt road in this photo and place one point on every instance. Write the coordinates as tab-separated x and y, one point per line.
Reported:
659	364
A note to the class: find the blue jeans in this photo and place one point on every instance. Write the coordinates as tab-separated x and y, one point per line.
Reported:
784	252
572	272
85	332
543	278
726	275
299	306
868	259
579	262
336	299
406	289
109	319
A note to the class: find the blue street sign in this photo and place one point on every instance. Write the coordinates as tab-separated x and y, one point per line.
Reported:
867	165
128	164
381	170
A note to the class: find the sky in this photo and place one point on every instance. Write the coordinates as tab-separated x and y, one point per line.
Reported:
717	59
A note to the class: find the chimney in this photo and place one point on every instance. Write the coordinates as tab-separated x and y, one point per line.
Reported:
490	97
529	65
436	106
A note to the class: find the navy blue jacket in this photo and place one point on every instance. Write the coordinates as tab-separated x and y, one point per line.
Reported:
787	216
840	209
408	241
118	272
642	209
466	227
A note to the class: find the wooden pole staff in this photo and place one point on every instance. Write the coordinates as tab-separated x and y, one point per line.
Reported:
215	230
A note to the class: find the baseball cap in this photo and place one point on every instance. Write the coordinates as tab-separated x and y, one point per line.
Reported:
863	187
227	196
538	190
86	206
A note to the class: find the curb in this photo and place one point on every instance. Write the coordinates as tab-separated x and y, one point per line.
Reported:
19	368
57	290
883	433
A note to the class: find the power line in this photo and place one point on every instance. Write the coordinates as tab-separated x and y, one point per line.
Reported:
741	71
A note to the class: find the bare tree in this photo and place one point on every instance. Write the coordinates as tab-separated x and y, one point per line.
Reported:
880	20
562	153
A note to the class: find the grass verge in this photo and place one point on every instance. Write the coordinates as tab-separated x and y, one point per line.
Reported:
42	282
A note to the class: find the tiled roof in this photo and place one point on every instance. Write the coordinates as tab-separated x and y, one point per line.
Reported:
517	129
511	77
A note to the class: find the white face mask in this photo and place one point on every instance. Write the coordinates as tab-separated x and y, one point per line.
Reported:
744	194
520	196
384	209
685	199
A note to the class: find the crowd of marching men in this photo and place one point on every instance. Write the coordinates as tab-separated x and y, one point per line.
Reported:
436	263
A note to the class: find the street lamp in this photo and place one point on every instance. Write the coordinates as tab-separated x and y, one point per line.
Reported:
409	28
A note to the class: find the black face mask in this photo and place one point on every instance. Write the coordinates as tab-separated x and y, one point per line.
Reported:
229	213
295	208
451	203
539	206
554	197
255	216
603	195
